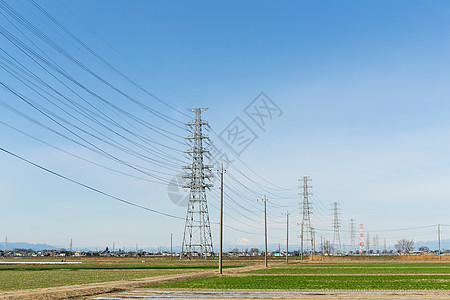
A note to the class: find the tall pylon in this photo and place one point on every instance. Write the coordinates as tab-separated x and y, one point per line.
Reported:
352	235
197	238
361	239
336	227
306	230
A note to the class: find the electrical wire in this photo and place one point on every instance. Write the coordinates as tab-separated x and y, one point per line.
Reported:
89	187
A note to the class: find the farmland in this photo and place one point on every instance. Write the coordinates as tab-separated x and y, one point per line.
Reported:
334	274
30	276
329	276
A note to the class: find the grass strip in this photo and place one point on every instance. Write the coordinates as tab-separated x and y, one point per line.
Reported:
370	265
408	282
346	270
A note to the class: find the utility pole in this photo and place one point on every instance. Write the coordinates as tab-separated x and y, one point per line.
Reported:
6	243
368	243
385	249
197	236
171	253
439	239
336	226
306	214
221	217
313	240
287	237
377	243
265	231
301	242
114	247
321	244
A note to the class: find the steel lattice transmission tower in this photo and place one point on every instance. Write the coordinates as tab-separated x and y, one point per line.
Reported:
197	237
336	227
306	230
352	235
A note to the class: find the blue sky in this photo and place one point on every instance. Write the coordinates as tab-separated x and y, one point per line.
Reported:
362	86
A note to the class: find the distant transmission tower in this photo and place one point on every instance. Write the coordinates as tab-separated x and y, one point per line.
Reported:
197	239
306	230
361	239
336	226
352	234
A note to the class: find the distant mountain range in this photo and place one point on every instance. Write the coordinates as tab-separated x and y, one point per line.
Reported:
433	245
40	247
35	247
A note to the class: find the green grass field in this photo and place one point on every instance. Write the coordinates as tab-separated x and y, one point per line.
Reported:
351	276
24	279
377	275
353	270
92	270
370	265
352	282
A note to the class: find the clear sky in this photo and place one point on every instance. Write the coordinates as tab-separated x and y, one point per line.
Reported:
359	91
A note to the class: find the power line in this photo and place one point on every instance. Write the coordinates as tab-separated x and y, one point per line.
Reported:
83	111
33	54
96	148
89	187
38	33
99	57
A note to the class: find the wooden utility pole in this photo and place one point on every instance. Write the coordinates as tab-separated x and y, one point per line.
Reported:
221	219
439	239
321	245
265	231
301	243
287	237
313	243
171	246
